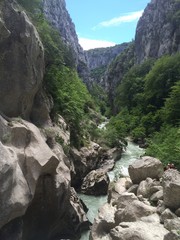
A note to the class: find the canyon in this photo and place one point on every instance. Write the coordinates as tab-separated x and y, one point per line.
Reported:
40	171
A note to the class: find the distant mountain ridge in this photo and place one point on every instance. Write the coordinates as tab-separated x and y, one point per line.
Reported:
103	56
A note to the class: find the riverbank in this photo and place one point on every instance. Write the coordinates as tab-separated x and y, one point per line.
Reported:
93	203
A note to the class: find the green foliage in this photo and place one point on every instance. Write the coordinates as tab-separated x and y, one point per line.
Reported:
30	5
97	73
118	67
100	97
71	99
149	97
130	91
165	145
164	74
172	105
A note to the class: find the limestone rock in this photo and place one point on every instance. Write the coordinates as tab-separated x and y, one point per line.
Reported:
144	187
171	188
172	224
133	189
87	159
173	235
157	196
95	183
24	55
139	231
133	212
145	167
103	223
41	109
160	207
118	187
58	16
24	157
125	199
167	214
157	35
178	212
100	58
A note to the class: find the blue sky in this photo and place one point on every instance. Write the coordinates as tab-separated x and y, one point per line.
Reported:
103	23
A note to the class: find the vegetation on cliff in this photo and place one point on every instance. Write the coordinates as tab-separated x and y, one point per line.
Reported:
148	98
71	97
144	97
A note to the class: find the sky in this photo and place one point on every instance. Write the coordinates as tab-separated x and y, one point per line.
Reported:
104	23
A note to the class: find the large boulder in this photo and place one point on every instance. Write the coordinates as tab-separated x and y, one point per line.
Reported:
95	183
173	235
87	159
133	212
103	223
172	224
145	167
171	188
24	157
167	214
138	231
84	160
22	64
36	200
118	187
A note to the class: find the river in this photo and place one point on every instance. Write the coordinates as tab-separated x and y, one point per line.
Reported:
121	169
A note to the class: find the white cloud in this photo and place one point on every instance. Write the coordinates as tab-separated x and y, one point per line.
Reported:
129	17
92	43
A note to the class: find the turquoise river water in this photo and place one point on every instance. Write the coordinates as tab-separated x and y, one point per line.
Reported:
121	168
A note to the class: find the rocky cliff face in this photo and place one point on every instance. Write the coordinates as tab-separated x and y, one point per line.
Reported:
157	33
36	198
103	56
57	14
158	30
116	71
21	62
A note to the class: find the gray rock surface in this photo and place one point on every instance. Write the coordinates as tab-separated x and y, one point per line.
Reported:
172	224
145	167
138	231
171	188
103	223
118	187
22	64
157	196
167	214
133	212
57	14
95	183
158	30
100	57
173	235
24	157
89	158
35	186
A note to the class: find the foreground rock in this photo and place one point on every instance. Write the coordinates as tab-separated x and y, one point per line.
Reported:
103	223
130	210
171	188
91	158
117	188
24	157
36	200
95	183
145	167
138	230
